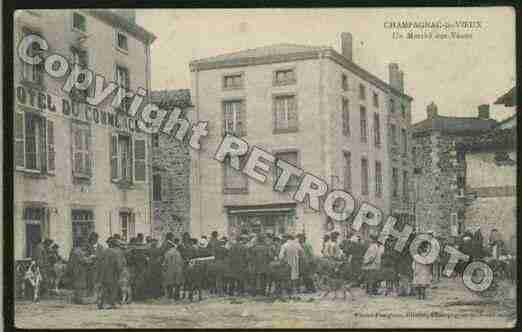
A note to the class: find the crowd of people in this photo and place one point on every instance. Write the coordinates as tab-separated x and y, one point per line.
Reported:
118	272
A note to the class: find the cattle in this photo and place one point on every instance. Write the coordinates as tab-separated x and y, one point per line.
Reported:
33	278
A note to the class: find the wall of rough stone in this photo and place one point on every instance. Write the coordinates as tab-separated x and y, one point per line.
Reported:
171	160
436	171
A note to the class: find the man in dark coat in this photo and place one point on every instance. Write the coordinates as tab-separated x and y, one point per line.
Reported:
109	267
154	271
237	264
77	271
261	257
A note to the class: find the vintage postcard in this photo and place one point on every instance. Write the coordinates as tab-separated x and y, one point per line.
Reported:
264	168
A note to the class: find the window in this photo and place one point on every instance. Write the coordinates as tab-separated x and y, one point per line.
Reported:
404	136
285	113
362	92
36	227
377	129
395	182
414	155
347	171
235	182
81	150
344	82
82	225
364	129
123	81
405	187
234	81
378	179
375	99
234	118
121	41
155	140
80	58
156	187
32	73
127	225
128	158
364	176
34	143
290	157
79	22
403	110
284	77
392	106
346	116
393	129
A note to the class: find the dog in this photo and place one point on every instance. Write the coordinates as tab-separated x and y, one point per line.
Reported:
33	277
125	287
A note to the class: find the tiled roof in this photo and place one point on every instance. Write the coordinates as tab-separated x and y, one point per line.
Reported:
286	52
507	99
493	139
276	49
168	99
454	124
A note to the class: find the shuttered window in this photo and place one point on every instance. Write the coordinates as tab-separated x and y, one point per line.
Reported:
378	179
290	157
285	113
34	143
115	174
19	140
377	129
347	171
140	161
364	126
364	176
346	116
235	182
234	118
81	150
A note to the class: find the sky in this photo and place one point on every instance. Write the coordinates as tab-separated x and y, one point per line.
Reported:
457	74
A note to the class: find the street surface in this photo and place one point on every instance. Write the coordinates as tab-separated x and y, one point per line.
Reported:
448	305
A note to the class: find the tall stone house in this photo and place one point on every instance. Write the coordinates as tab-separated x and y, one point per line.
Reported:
439	170
78	168
491	176
308	105
170	171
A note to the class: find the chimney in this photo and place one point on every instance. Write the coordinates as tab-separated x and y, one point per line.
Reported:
431	110
346	45
483	111
394	77
401	81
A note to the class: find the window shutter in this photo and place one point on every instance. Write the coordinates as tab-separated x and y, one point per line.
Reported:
242	119
88	152
114	156
225	119
19	139
43	145
140	154
50	147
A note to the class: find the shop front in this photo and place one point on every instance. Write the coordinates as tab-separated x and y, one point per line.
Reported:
273	219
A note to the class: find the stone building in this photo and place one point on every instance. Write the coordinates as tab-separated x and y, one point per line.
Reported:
310	106
79	168
439	171
491	176
170	171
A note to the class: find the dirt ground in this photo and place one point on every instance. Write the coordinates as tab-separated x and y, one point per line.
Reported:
449	305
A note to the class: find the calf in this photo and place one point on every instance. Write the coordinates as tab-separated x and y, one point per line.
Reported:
34	279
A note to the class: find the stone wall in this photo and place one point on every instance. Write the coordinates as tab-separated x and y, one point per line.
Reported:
435	175
171	160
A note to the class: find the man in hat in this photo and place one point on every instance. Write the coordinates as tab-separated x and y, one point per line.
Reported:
372	263
261	258
109	268
237	265
154	272
307	266
173	277
290	252
77	270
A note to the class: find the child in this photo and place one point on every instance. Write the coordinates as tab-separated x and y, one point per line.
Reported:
422	273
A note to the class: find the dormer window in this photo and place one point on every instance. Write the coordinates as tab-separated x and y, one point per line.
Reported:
79	22
122	41
233	81
284	77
